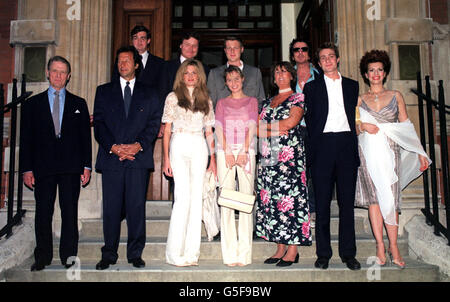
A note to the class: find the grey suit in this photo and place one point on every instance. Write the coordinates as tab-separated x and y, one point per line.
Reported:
253	85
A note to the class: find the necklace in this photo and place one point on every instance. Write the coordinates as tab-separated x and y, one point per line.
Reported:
304	79
376	94
284	90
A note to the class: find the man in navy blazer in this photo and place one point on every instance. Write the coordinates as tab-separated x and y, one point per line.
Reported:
188	50
127	115
55	152
331	101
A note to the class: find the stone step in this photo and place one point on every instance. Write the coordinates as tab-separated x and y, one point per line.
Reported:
90	250
154	209
159	227
164	208
215	271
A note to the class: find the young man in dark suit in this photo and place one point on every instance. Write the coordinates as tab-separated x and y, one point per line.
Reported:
127	115
55	151
152	66
331	101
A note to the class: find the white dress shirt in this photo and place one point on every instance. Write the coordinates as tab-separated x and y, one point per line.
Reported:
123	84
182	59
241	65
144	58
337	118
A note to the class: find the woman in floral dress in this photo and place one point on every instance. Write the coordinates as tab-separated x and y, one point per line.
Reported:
282	210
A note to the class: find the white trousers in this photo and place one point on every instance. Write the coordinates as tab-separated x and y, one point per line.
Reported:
236	246
188	158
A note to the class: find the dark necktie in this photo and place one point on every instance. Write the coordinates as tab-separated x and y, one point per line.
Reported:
55	113
127	98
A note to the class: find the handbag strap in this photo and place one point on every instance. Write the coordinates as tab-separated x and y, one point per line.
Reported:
226	175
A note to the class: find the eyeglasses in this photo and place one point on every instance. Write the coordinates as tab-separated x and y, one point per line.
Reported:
303	49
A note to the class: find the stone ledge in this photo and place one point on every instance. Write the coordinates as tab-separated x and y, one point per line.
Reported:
426	246
409	30
16	249
34	32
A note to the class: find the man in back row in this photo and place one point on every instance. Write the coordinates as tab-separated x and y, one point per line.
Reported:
253	85
152	66
188	50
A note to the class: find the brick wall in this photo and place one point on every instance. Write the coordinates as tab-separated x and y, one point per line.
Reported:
439	11
8	12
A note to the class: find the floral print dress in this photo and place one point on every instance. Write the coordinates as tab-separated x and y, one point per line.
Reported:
282	214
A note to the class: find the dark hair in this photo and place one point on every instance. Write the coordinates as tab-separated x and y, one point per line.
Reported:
374	56
139	28
188	35
288	66
232	38
327	45
231	69
291	49
136	57
59	59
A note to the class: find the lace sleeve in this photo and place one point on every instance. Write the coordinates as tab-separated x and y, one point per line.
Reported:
169	108
209	119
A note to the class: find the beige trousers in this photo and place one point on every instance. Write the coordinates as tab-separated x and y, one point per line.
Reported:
236	246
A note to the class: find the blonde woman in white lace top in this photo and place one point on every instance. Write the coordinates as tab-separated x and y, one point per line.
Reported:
187	142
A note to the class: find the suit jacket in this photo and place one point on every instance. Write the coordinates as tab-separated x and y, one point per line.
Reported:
41	151
112	127
168	77
316	100
253	85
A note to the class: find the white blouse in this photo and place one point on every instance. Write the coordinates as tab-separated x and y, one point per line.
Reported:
186	120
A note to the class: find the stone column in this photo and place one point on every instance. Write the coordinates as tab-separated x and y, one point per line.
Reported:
289	13
85	40
80	31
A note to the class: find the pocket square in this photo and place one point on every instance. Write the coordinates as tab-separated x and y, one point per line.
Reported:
78	111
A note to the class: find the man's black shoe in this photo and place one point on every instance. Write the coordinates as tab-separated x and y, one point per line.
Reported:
69	264
38	266
217	237
103	264
137	262
352	264
321	263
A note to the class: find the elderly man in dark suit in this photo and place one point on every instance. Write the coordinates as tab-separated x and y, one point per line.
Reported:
331	101
127	115
55	152
253	85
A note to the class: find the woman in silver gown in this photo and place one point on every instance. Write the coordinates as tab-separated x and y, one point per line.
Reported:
378	188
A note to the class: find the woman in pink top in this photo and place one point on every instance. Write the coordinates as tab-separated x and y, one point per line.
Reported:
236	118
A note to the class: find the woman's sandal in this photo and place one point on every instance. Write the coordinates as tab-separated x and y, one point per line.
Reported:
400	263
381	261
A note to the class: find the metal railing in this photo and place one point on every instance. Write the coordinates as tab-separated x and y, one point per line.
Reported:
12	219
431	212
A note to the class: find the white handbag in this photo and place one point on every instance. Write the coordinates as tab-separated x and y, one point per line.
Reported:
236	200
